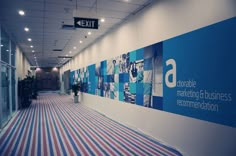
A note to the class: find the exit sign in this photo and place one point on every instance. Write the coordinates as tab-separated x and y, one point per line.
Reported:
86	23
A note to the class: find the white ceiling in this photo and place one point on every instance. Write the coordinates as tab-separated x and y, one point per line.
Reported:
45	18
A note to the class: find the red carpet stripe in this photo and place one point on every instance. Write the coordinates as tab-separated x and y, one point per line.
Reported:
35	128
54	125
44	136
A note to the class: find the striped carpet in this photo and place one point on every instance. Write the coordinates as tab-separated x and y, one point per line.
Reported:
53	125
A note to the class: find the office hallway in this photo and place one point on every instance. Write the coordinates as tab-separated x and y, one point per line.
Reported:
53	125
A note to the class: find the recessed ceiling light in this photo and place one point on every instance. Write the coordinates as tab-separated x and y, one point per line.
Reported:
66	55
80	41
54	69
1	45
70	52
33	51
29	39
74	47
26	29
31	46
35	57
102	20
7	50
89	33
21	12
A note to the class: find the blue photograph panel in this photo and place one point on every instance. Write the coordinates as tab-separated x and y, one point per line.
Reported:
132	56
157	102
92	80
103	67
72	78
139	54
124	61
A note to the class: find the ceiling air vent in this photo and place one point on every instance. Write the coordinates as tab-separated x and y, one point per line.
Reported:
68	27
57	50
64	56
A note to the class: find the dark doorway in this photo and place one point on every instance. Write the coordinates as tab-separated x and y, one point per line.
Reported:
47	79
66	79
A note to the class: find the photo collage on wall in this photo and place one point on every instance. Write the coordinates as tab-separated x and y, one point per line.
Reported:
134	77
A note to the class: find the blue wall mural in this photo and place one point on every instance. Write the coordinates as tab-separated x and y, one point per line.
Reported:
190	75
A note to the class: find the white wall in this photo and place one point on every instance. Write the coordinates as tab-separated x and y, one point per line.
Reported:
22	64
22	67
163	20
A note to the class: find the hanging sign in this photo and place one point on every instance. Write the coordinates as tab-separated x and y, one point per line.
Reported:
86	23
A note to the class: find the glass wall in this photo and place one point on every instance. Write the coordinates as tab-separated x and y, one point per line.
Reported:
5	93
7	78
5	48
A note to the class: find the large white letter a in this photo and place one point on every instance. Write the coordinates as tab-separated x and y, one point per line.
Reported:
169	83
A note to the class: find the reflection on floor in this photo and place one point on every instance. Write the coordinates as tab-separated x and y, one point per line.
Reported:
53	125
5	116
